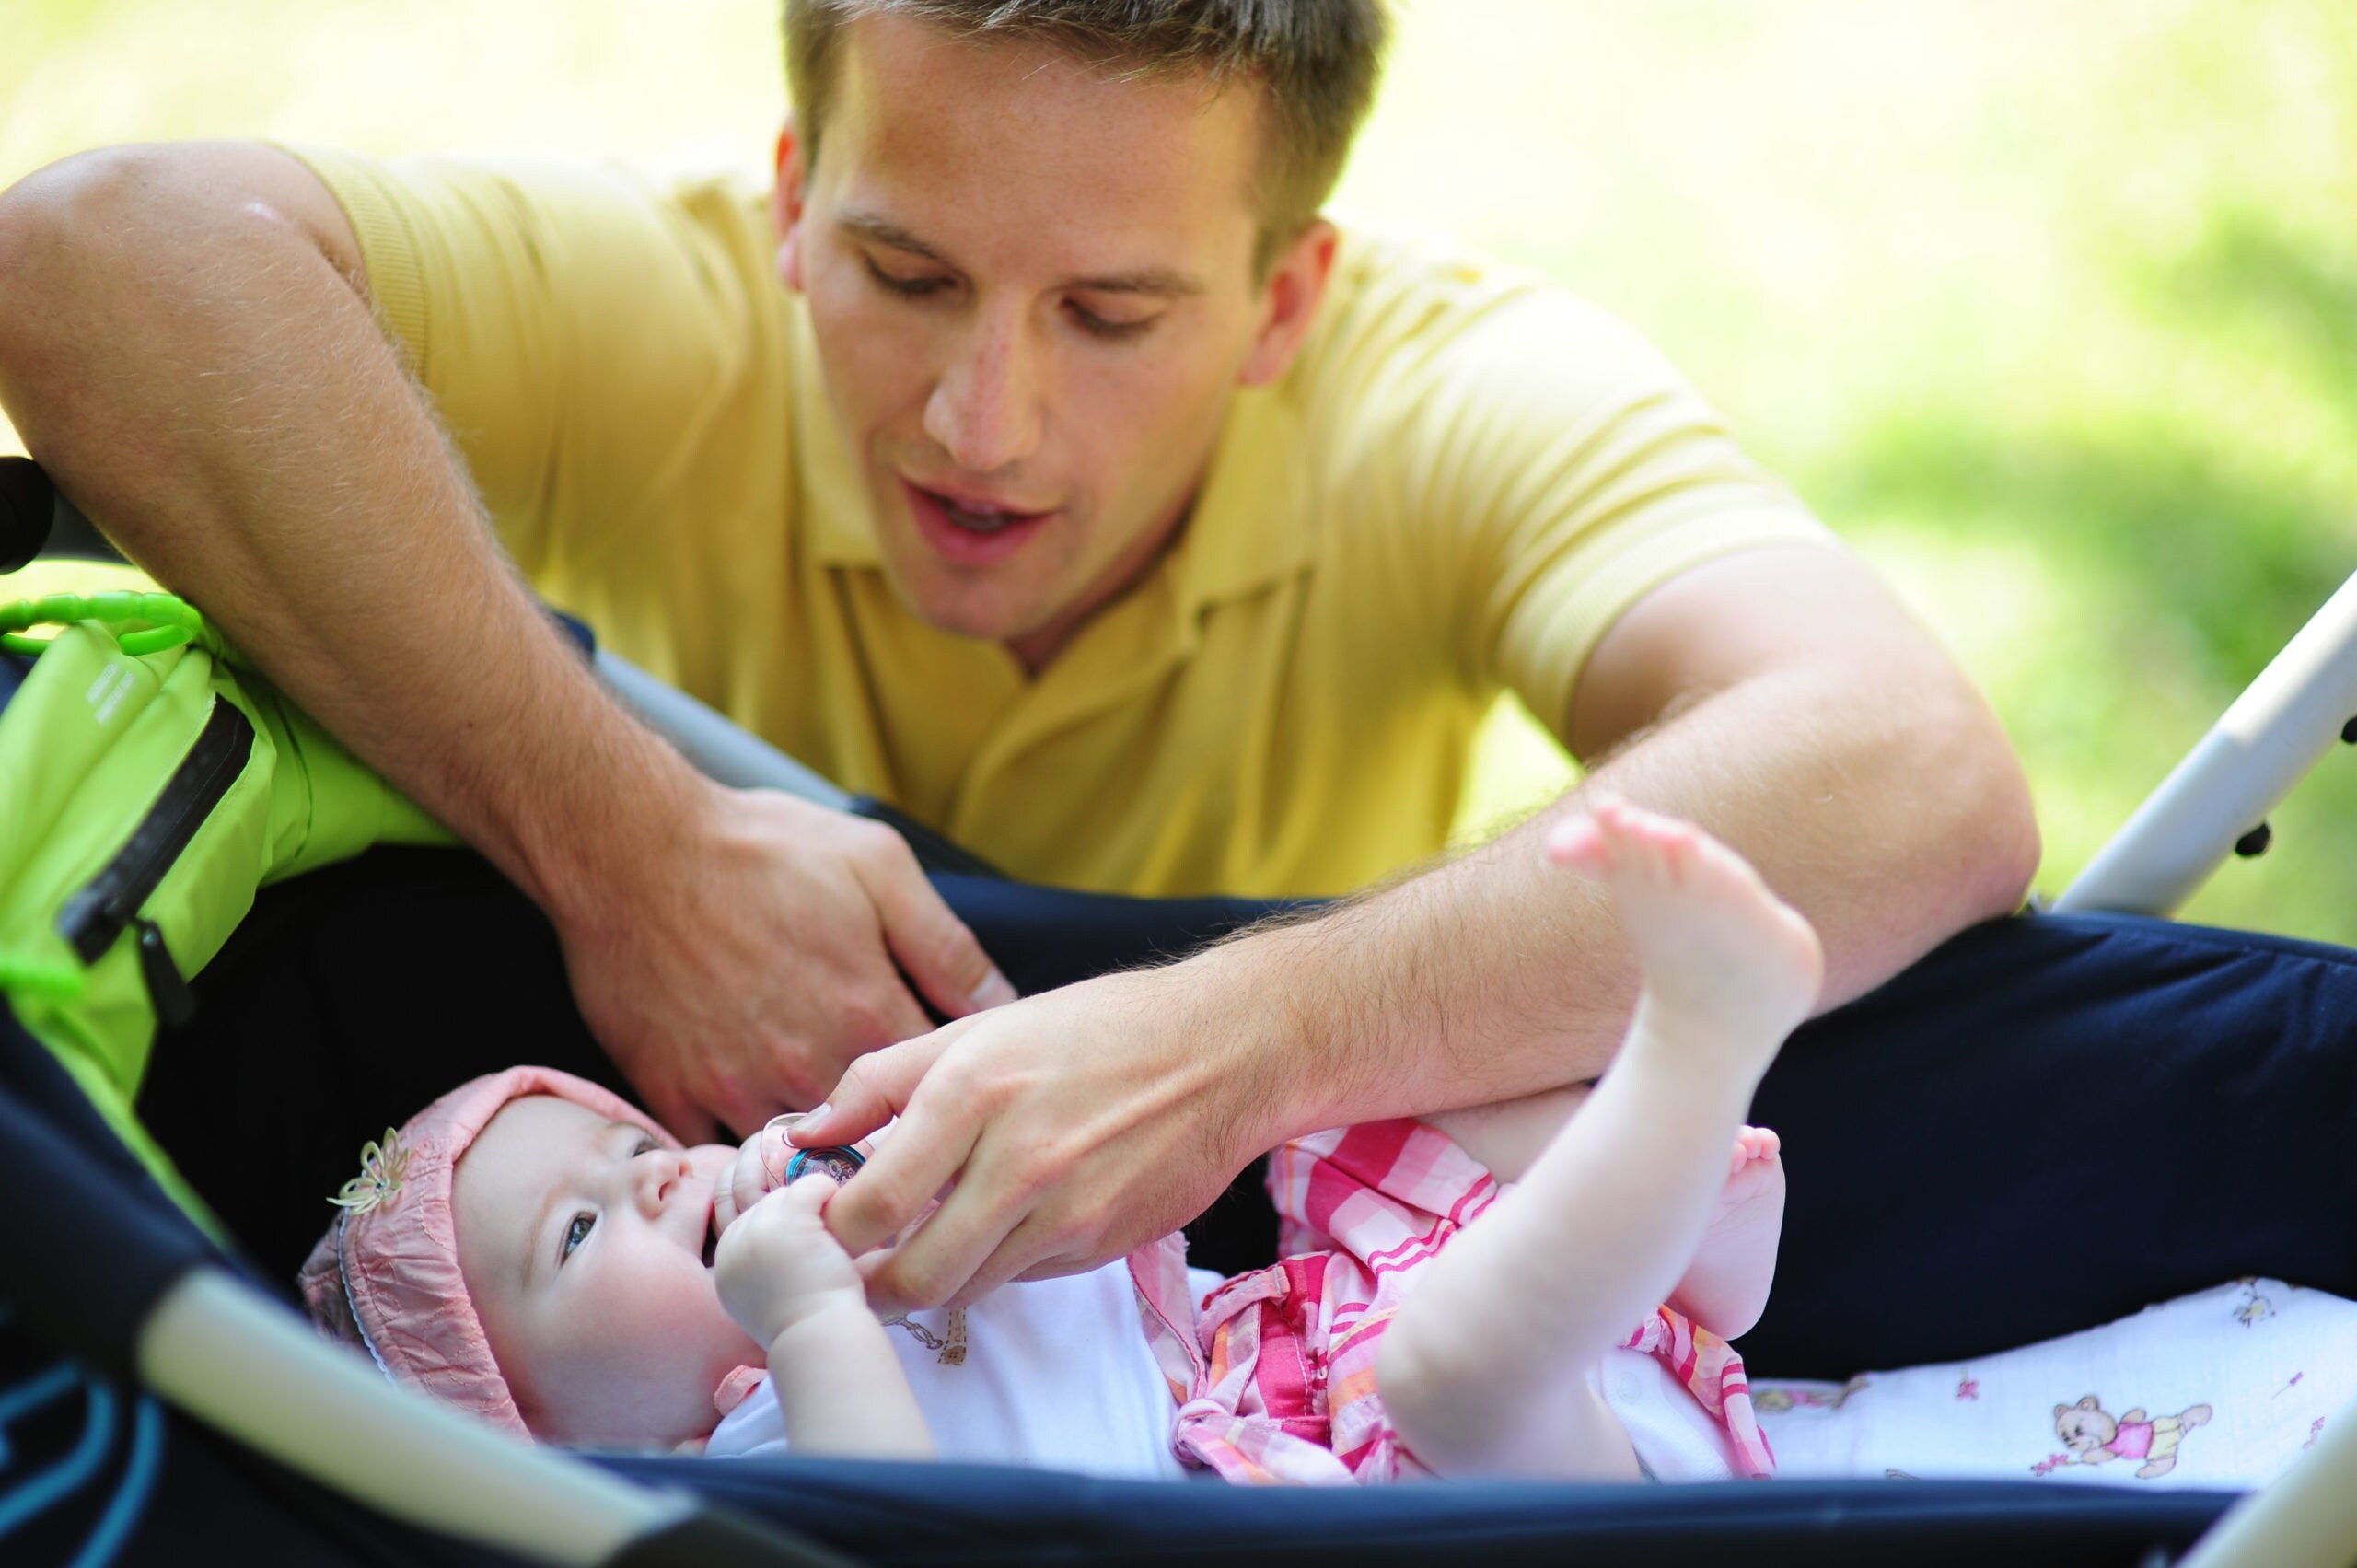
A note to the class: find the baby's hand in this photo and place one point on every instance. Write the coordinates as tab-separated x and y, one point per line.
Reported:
778	1265
758	1169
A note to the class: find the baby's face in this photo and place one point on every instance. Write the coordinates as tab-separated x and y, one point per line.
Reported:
587	1248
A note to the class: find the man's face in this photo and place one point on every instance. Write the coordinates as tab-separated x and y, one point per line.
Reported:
587	1250
1032	291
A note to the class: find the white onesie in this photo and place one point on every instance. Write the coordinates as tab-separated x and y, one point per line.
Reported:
1055	1374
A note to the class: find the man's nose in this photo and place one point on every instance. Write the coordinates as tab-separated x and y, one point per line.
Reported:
988	407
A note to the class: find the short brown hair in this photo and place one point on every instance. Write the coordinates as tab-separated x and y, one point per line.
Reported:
1317	59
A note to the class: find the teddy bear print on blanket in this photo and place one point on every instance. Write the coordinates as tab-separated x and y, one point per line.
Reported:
2223	1390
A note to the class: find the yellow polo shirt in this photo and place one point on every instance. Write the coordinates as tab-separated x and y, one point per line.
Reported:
1464	479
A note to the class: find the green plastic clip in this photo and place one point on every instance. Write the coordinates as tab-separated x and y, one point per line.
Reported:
171	621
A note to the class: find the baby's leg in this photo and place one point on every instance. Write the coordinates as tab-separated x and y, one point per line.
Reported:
1726	1285
1484	1370
1507	1136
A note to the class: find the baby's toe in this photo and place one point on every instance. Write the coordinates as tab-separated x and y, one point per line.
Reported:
1580	844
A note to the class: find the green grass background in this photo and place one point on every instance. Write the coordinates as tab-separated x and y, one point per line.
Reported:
2052	310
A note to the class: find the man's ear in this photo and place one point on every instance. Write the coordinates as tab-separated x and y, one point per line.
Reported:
1296	285
785	207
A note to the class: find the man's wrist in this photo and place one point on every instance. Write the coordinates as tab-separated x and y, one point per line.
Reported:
1267	1010
602	849
1381	1006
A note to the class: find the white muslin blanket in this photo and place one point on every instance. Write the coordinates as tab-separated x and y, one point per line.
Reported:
2222	1390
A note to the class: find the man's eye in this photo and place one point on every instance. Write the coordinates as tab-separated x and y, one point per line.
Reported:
1097	326
576	1234
907	288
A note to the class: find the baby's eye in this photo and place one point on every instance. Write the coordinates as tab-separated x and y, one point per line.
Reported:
645	1146
576	1234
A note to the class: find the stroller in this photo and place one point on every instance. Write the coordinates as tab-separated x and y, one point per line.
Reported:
212	917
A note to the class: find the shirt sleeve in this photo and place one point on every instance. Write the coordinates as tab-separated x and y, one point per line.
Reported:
1537	468
578	327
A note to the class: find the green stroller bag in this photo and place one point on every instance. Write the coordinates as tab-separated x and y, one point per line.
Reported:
149	783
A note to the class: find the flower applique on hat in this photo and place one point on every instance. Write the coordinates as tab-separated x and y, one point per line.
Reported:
382	1166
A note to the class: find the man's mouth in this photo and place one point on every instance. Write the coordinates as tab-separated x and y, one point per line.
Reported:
969	529
978	519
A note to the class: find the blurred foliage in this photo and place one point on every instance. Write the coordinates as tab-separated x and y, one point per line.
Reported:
2052	310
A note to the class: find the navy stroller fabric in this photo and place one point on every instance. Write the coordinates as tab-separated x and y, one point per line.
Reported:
2050	1122
2046	1123
93	1468
975	1515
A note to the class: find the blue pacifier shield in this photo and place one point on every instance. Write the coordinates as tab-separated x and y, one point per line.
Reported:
839	1163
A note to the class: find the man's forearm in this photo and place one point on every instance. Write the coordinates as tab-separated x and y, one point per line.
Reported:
1879	796
195	368
1887	809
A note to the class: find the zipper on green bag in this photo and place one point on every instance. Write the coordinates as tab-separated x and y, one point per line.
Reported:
108	903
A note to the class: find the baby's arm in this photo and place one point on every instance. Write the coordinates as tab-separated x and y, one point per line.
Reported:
790	1285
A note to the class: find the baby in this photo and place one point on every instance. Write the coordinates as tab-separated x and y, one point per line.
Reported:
536	1250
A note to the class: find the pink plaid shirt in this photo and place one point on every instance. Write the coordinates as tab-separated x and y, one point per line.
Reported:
1275	1373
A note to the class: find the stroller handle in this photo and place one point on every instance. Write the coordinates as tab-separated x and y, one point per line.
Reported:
218	1349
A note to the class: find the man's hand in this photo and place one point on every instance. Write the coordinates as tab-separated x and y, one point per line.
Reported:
733	951
741	967
1068	1128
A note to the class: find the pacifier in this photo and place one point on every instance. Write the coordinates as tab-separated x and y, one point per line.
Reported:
836	1161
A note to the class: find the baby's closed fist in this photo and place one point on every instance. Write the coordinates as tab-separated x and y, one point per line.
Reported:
778	1264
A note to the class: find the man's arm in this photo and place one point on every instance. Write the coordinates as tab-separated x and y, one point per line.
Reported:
1780	697
186	342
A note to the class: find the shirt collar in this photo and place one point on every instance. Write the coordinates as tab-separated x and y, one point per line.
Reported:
841	530
1251	524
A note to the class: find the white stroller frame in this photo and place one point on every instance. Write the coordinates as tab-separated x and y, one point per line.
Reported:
2214	803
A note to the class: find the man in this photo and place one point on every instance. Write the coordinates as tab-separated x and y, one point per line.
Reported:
1088	495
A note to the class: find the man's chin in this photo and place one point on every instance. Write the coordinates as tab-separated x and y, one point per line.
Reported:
962	620
967	608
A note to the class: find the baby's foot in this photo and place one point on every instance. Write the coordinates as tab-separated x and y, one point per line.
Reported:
1726	1285
1754	1147
1728	968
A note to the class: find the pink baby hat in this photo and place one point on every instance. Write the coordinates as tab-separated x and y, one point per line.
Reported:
385	1274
